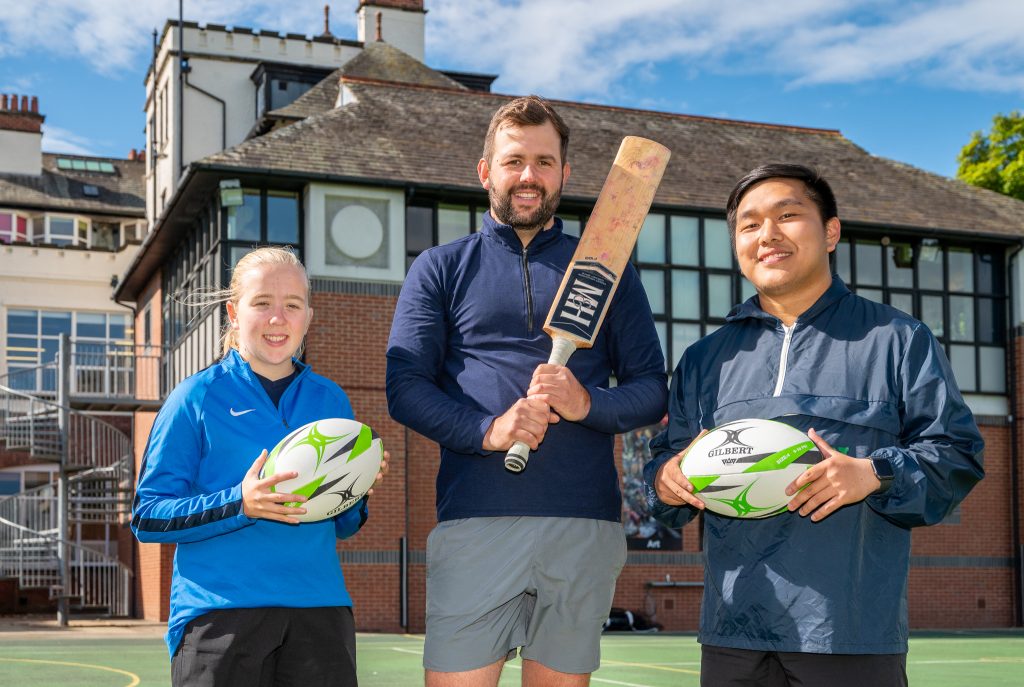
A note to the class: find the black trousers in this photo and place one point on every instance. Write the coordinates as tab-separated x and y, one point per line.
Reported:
722	667
268	647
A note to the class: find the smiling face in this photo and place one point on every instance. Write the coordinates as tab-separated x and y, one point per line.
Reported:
271	317
782	244
524	177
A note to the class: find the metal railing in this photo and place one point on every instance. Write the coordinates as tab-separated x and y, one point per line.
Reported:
31	424
96	580
104	369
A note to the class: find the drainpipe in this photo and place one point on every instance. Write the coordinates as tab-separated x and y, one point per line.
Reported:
1015	500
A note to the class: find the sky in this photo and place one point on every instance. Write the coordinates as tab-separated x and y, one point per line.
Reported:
908	80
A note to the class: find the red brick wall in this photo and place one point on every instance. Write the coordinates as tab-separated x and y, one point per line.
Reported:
154	561
347	342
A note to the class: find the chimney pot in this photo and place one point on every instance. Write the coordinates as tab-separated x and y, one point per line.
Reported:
132	155
24	103
35	104
380	21
3	101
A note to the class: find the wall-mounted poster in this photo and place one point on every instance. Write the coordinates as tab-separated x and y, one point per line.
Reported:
643	532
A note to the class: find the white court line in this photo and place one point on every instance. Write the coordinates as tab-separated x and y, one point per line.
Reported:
519	667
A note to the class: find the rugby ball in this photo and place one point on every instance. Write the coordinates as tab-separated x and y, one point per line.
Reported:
741	469
337	461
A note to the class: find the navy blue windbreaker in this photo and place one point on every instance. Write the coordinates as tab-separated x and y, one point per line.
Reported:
466	338
873	382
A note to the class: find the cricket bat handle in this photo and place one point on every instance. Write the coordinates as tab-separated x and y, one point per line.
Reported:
519	454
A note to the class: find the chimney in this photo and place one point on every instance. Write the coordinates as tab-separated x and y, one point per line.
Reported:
133	155
21	135
327	23
405	21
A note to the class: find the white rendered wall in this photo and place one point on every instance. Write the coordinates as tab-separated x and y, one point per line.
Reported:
404	29
221	64
20	152
57	279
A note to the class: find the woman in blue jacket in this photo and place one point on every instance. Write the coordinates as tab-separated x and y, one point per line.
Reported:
256	598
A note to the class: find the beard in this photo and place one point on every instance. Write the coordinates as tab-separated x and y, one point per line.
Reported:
503	210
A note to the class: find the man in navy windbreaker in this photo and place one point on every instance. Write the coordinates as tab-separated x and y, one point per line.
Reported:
529	560
818	595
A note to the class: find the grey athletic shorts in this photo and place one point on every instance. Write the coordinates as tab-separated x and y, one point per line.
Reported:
541	584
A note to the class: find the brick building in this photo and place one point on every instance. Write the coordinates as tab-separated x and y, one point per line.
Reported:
376	162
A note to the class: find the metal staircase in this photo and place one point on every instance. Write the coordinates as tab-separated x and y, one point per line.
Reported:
63	537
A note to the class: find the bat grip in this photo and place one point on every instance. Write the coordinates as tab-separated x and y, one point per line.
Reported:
519	454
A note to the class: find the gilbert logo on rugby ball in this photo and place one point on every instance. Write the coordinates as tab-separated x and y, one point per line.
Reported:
337	461
741	469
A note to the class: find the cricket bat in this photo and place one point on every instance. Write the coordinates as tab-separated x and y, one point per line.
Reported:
603	252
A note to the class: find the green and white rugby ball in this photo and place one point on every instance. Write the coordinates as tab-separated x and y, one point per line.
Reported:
337	461
741	469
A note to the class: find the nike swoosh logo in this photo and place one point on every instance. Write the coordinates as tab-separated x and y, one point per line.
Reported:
240	412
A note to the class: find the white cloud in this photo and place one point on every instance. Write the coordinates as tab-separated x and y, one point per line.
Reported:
112	35
57	140
591	48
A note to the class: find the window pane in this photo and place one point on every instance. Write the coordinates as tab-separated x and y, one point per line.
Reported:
83	233
843	260
481	211
650	246
747	289
931	314
717	247
23	322
62	231
244	219
991	320
993	369
961	318
871	294
869	263
929	266
901	265
56	323
282	218
236	253
682	336
570	226
48	349
22	349
961	270
6	227
419	234
118	324
902	301
105	235
962	360
654	285
91	324
685	241
662	329
686	294
720	300
452	222
990	273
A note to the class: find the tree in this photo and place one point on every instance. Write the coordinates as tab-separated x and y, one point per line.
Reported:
996	161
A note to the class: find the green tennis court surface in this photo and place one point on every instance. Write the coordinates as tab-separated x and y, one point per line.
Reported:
956	659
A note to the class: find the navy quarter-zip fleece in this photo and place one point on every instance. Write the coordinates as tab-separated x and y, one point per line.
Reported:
466	338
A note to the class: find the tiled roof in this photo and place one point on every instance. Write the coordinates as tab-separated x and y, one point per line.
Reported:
377	61
120	192
427	135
